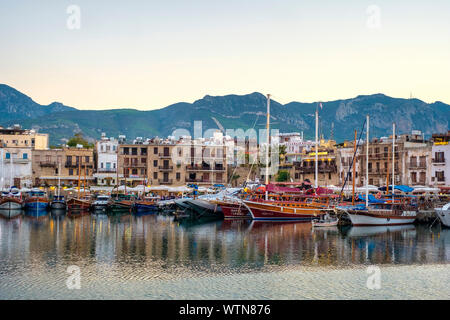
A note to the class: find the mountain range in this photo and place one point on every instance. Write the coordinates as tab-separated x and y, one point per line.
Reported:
338	119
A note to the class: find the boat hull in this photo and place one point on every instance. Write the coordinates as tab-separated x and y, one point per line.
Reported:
444	217
234	210
364	218
58	205
10	213
36	205
10	205
264	211
78	205
141	207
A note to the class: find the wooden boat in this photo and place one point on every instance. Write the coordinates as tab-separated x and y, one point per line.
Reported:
11	200
268	211
146	204
82	204
37	200
101	203
325	221
122	202
233	209
382	214
58	203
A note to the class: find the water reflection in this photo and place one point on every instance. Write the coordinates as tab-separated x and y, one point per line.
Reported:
221	246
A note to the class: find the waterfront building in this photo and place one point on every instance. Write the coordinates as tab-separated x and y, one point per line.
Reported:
15	167
106	161
416	160
327	164
440	168
173	162
17	137
345	156
63	163
295	146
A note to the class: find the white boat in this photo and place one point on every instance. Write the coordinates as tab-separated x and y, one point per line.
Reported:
382	215
101	203
444	214
325	221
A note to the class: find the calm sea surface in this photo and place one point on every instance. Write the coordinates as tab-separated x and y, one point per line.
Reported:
155	257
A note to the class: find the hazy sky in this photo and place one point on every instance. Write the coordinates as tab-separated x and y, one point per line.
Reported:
149	54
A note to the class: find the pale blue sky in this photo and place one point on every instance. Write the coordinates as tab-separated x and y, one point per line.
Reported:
149	54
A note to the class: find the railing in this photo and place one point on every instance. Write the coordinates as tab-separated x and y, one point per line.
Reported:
438	160
165	168
75	165
205	168
165	155
135	165
162	181
47	164
321	169
107	170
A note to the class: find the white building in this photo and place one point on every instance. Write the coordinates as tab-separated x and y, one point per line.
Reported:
440	168
15	167
106	149
295	145
344	161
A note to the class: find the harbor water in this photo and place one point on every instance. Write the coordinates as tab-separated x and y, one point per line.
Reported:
156	257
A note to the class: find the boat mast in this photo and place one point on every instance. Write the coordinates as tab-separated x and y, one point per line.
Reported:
316	175
79	177
11	169
353	175
387	171
84	183
393	159
367	163
268	145
3	172
59	178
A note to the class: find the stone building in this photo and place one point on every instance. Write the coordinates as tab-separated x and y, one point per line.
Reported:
327	165
18	137
67	164
15	167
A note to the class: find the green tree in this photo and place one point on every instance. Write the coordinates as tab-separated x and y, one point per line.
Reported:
282	176
79	139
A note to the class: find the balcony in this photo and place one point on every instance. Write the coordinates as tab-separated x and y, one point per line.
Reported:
165	168
48	164
321	169
167	181
165	155
135	165
204	168
75	165
438	161
106	170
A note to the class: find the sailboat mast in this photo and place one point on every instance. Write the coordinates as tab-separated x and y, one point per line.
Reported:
79	177
353	174
59	179
84	183
367	162
393	159
316	175
268	144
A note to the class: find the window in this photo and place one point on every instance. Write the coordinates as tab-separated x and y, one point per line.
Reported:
143	160
126	150
155	175
69	159
143	151
86	159
134	172
413	177
440	176
155	163
134	151
70	172
155	150
178	176
8	155
439	157
25	156
101	165
142	171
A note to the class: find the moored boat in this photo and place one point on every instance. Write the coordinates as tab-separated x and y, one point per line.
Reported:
11	200
382	214
268	211
233	209
75	204
325	221
146	204
37	200
58	203
444	214
101	203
